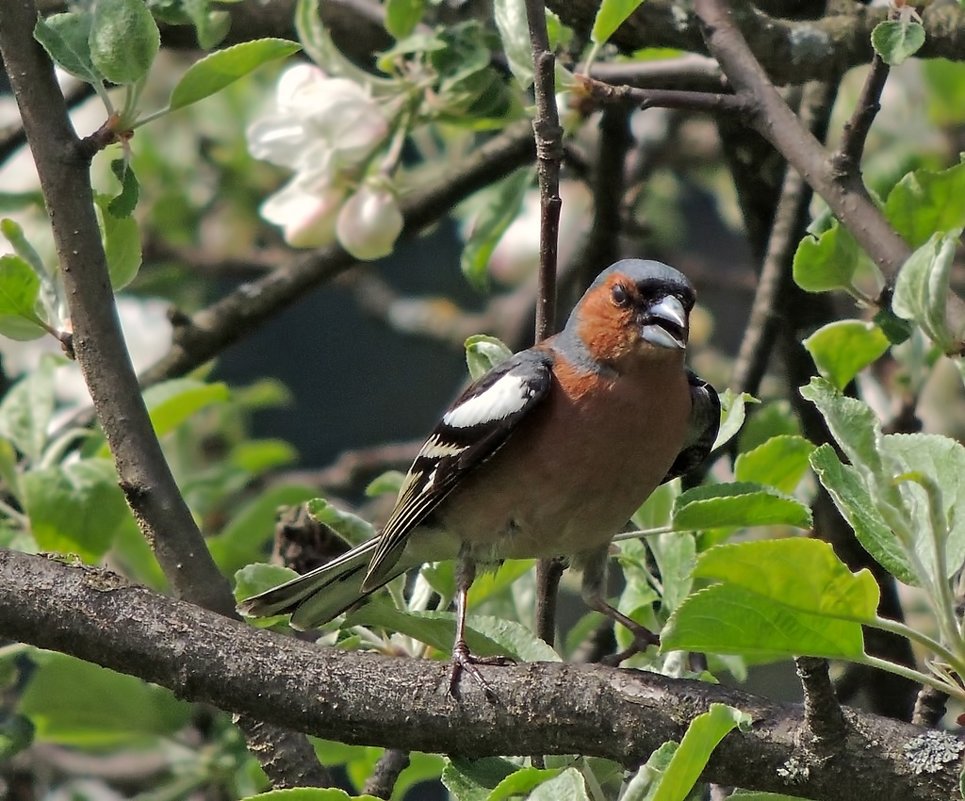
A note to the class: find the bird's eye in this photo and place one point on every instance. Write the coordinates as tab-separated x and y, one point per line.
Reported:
620	295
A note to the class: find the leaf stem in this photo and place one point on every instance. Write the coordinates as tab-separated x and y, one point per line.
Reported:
894	627
912	675
643	532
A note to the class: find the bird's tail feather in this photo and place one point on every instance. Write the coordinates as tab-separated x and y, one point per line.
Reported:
318	596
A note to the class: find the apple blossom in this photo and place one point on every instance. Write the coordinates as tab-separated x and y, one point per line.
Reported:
370	222
306	209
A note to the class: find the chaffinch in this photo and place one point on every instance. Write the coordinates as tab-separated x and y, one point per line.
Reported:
548	454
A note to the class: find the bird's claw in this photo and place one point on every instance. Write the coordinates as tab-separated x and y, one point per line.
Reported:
643	638
464	660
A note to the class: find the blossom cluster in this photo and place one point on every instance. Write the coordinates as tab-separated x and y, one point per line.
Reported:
329	131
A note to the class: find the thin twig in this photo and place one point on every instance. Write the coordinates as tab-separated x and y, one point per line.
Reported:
549	153
710	102
855	131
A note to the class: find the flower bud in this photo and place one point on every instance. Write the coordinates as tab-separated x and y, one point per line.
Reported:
306	209
370	222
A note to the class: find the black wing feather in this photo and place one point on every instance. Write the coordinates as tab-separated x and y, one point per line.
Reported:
704	424
435	472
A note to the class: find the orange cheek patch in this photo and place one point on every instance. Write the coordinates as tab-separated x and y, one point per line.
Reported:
606	329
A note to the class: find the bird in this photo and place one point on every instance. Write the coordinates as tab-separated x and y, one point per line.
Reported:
547	454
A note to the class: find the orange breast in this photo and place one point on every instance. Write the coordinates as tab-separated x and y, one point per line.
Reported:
579	467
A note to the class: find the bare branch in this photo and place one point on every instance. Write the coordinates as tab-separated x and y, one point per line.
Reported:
550	708
710	102
822	713
848	157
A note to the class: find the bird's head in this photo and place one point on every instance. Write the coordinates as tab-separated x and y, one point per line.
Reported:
634	308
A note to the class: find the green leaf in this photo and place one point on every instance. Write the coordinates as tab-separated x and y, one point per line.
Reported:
487	636
842	348
674	553
644	782
19	294
491	583
401	16
65	37
210	26
75	507
772	419
501	207
922	289
258	577
243	539
826	262
17	201
217	70
733	410
941	460
925	202
854	501
484	352
610	16
745	795
352	528
27	408
475	779
511	22
257	456
387	483
699	741
320	48
80	704
13	233
309	794
737	504
896	40
122	244
727	619
568	786
945	93
798	572
123	204
896	329
522	782
124	39
779	462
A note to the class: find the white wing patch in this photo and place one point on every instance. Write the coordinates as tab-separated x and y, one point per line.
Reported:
506	396
438	448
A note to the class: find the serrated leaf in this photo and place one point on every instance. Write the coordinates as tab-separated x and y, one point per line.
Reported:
826	262
401	16
842	348
779	462
75	507
475	779
733	410
26	410
502	203
737	504
350	527
484	352
65	37
925	202
511	22
217	70
897	40
854	501
698	743
610	16
729	619
922	287
798	572
124	39
123	204
80	704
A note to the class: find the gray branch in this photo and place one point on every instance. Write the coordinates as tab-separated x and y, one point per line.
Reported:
550	708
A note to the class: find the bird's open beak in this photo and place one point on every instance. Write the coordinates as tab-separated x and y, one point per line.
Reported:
665	324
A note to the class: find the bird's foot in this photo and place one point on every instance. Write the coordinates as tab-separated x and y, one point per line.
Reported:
643	638
464	660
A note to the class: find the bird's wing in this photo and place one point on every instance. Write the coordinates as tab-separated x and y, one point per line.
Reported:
477	425
704	423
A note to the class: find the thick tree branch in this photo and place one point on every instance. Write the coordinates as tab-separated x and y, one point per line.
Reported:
162	514
548	708
792	51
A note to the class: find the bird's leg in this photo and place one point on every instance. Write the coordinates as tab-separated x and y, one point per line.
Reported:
594	594
462	658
